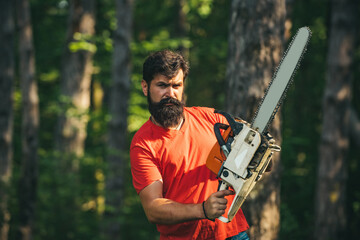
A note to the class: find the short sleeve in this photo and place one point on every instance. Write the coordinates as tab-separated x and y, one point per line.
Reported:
144	169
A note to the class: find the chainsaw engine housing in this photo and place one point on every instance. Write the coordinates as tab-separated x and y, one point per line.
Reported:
239	162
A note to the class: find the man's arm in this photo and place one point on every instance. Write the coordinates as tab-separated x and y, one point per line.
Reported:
160	210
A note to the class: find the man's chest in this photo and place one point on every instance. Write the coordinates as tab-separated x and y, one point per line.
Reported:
182	158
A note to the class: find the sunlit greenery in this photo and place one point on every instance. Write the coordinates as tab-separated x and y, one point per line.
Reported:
70	206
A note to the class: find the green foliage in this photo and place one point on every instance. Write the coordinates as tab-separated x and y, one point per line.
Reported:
82	42
67	201
302	125
302	120
70	205
208	56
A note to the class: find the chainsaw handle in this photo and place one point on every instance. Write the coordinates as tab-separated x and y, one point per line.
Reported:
223	219
218	135
223	186
235	127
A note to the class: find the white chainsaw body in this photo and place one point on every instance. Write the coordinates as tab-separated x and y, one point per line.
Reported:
244	166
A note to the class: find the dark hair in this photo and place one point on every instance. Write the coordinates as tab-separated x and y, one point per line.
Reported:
165	62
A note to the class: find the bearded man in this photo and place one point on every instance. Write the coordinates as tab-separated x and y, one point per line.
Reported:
168	156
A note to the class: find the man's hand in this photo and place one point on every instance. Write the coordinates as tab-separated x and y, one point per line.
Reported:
215	205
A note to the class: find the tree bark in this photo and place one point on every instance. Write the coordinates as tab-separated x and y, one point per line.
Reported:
30	121
7	66
117	132
330	218
355	127
255	48
181	26
76	74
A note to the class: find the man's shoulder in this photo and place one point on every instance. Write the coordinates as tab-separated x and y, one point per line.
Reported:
200	110
149	136
144	130
206	113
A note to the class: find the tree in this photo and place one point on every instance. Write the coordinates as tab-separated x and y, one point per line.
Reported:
30	120
7	65
117	129
76	74
181	26
256	35
71	130
330	216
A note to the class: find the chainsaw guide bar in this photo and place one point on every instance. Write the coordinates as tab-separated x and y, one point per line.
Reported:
282	79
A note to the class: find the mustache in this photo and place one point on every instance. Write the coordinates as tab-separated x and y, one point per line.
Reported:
169	100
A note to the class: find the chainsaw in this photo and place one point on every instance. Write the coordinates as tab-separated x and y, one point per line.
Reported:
243	151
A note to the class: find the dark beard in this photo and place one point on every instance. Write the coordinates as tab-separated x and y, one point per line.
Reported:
167	115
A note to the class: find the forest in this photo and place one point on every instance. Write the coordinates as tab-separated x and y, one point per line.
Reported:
71	101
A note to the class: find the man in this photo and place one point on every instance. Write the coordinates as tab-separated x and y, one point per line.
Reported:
168	156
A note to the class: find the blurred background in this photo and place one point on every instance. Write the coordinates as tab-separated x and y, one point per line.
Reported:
70	102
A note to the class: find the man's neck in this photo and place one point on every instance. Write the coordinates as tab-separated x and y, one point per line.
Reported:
176	127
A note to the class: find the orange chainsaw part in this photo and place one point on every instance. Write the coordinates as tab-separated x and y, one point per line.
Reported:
216	156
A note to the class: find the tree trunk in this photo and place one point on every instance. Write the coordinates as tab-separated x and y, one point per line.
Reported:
30	121
255	48
6	112
117	135
75	80
330	218
181	26
355	127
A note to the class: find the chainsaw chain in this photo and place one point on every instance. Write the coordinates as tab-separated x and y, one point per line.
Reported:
276	109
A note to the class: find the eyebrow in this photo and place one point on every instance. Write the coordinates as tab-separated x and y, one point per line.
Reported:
162	83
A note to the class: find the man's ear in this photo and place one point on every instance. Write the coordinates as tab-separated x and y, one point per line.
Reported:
144	86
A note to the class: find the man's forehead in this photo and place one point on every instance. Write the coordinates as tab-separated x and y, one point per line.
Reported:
178	78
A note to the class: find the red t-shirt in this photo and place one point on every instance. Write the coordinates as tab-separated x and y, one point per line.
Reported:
177	158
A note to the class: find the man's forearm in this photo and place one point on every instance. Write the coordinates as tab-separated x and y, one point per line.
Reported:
165	211
161	210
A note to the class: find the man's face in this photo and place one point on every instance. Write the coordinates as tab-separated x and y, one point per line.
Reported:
161	87
165	98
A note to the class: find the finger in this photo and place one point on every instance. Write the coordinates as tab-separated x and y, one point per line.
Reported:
222	201
222	207
223	193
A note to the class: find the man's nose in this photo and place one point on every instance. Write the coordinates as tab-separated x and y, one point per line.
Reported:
171	92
